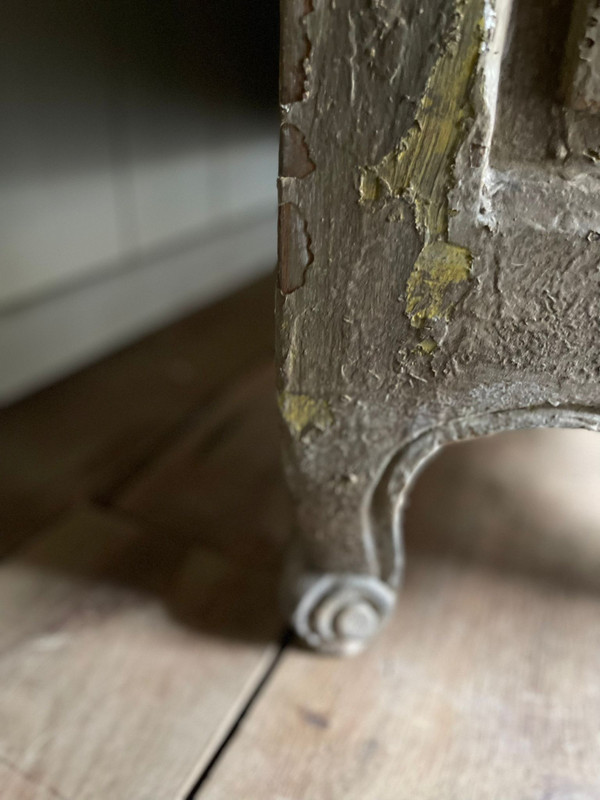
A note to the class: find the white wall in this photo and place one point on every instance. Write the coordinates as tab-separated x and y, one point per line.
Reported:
125	197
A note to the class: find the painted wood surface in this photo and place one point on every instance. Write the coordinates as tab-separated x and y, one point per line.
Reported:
439	229
582	63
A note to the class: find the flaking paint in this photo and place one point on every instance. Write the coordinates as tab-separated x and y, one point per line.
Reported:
439	267
420	169
300	411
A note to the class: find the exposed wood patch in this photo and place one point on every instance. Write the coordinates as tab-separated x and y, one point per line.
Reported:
295	254
294	158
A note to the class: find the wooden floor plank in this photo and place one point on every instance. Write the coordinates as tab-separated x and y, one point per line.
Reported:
124	660
86	434
485	684
221	483
15	784
132	635
482	687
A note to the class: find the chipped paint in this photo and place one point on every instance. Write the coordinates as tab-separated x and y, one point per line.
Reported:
295	51
300	411
427	346
439	268
419	170
294	243
294	157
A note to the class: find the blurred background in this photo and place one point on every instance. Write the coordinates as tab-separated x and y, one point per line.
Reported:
138	152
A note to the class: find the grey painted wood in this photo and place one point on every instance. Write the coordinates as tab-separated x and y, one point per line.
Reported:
582	69
439	250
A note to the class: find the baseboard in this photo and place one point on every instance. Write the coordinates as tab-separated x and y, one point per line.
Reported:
52	336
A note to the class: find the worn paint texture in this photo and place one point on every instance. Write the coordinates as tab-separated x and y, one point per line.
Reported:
427	346
439	269
581	79
439	266
301	412
295	253
295	50
420	168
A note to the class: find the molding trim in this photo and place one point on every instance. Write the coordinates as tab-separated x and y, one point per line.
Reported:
49	337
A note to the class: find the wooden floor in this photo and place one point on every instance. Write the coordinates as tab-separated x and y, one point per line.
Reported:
142	656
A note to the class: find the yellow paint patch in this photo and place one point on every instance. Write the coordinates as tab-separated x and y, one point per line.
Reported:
369	184
427	346
420	168
301	411
439	267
